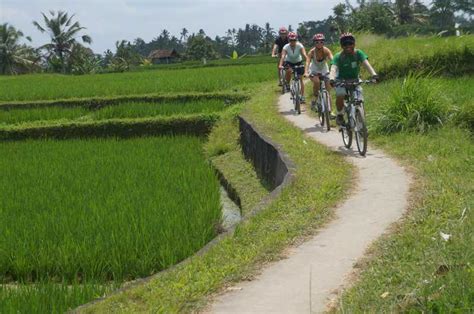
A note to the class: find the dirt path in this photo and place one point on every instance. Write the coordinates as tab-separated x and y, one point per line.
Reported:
306	280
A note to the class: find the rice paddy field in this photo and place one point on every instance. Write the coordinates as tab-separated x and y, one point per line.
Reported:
55	86
80	217
19	116
89	214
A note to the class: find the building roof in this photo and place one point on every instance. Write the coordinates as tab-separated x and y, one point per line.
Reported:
162	53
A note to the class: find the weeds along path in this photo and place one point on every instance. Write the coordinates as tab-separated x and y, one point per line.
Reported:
308	279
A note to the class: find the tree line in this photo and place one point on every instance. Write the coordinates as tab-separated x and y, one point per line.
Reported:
67	51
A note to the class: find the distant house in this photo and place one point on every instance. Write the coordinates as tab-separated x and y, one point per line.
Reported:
163	56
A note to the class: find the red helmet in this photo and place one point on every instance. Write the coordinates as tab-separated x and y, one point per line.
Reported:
346	38
292	36
319	37
283	30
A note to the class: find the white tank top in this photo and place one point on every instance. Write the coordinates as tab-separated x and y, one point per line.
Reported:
293	54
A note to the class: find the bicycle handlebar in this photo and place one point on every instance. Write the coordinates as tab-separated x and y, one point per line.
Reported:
347	83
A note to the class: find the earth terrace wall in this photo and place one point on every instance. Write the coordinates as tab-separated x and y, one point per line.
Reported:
280	171
95	103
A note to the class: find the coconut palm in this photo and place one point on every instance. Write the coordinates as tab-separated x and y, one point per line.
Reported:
63	32
14	56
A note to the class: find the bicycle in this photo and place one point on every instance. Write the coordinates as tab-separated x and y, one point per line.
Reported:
282	75
322	105
295	86
354	118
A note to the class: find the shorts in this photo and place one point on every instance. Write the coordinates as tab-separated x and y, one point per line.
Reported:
321	69
341	91
300	71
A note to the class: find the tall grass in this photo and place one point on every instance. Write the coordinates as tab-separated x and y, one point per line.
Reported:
103	210
393	58
55	86
18	116
418	105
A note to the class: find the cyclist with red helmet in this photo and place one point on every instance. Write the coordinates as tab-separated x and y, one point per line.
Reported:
280	42
319	55
346	66
291	56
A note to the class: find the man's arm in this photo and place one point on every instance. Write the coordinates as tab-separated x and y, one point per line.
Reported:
274	50
369	68
333	73
283	56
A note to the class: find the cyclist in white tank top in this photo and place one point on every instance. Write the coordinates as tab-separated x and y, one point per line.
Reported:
291	56
319	55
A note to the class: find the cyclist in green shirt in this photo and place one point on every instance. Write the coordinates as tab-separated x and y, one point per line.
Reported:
346	66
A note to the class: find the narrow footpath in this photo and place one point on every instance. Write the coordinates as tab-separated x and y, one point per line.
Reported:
306	281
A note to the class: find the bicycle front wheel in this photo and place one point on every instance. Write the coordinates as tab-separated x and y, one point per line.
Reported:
361	133
325	99
346	132
297	97
320	109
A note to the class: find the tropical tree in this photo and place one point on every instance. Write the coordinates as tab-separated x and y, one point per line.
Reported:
64	33
184	35
15	57
200	47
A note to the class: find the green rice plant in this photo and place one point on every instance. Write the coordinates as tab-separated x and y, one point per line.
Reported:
100	210
19	116
55	86
417	105
48	297
140	110
132	109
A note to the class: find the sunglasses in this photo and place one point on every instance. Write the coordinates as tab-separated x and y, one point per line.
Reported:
347	44
292	39
319	42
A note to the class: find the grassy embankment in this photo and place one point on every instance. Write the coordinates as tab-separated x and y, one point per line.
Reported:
414	268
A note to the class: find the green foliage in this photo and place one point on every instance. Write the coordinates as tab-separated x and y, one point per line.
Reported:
200	48
418	105
15	57
63	32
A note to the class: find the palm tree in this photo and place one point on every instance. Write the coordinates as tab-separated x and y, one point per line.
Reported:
13	55
63	32
184	35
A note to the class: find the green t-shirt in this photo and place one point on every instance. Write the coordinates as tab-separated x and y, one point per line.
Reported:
349	65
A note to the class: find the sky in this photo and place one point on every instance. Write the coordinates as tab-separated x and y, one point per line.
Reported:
110	20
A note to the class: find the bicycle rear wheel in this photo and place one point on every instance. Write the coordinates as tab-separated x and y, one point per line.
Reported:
361	133
346	132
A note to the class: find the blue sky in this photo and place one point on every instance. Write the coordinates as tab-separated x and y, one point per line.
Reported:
110	20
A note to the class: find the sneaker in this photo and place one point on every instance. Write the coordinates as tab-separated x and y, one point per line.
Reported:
303	100
279	84
340	119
